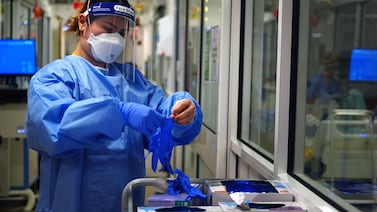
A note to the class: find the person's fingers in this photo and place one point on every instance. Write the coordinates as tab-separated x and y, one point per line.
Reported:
181	106
185	120
183	112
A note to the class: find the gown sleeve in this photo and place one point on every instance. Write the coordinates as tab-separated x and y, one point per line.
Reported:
59	125
183	133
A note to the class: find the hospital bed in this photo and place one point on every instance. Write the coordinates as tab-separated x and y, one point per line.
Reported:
347	145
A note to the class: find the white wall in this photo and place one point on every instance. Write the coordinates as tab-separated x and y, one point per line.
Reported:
63	43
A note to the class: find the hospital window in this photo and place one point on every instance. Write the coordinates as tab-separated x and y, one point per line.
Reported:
31	27
258	73
6	19
210	62
156	61
336	134
23	26
193	46
192	71
203	34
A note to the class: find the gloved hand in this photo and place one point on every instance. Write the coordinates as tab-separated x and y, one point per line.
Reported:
141	117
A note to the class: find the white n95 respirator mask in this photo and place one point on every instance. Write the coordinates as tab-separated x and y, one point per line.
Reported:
106	47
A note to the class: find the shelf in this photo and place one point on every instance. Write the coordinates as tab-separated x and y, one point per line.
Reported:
10	95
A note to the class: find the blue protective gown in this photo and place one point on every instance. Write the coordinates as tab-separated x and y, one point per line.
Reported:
88	154
319	90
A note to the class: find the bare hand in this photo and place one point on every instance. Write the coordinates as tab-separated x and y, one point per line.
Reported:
183	111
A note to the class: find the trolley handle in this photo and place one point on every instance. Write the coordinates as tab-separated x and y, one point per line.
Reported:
160	184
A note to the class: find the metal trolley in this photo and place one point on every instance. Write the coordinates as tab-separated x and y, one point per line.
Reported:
160	184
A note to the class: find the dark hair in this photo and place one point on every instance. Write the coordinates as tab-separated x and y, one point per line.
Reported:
74	25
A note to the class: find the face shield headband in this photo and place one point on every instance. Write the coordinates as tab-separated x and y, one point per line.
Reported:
124	11
110	8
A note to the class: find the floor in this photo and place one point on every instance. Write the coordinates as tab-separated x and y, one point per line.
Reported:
16	204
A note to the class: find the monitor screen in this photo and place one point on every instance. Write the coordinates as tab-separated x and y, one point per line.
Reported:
363	65
18	57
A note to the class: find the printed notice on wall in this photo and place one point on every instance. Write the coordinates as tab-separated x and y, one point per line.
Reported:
207	55
214	64
211	54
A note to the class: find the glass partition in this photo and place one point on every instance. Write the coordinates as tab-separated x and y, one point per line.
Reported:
192	73
6	19
23	26
210	62
155	69
258	75
193	47
337	59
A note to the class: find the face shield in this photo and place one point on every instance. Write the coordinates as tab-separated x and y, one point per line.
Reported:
117	41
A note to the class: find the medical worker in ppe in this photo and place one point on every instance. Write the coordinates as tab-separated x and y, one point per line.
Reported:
90	118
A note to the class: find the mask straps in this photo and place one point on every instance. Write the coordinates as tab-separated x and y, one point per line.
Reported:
87	7
86	14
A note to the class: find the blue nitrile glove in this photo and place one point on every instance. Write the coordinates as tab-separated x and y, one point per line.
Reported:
161	145
141	117
182	184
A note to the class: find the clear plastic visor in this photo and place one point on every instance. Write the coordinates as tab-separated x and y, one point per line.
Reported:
127	57
120	19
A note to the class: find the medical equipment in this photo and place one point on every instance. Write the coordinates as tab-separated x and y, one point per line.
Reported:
14	63
346	141
18	164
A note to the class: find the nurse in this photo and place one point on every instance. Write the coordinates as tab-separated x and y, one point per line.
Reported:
90	115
